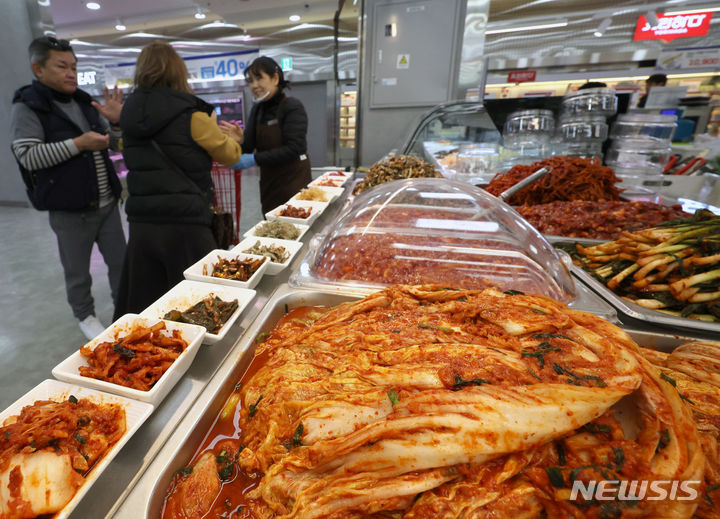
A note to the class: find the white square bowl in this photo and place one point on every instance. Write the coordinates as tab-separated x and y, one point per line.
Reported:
292	247
187	293
195	272
330	192
251	232
135	415
336	180
67	370
316	209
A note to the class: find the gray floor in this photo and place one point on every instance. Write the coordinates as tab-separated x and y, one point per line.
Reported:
37	328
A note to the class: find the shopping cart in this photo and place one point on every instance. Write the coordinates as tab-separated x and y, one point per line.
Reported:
228	189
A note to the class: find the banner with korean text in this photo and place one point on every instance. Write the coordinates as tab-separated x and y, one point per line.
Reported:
214	67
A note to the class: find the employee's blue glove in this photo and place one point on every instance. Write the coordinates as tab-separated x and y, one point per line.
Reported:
246	160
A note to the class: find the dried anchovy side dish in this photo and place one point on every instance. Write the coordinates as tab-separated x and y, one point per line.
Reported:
48	450
211	313
295	212
673	267
396	168
312	194
237	269
276	253
278	230
137	360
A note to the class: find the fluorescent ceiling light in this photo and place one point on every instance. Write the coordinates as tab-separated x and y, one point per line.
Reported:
122	50
527	28
145	35
294	18
93	6
691	11
216	24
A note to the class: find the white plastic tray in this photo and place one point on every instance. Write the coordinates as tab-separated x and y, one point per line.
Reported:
251	232
67	370
316	209
292	247
135	414
187	293
195	272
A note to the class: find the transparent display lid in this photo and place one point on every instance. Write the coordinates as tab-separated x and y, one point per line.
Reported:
450	126
429	230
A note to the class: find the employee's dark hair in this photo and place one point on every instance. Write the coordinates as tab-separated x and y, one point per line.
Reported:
592	84
39	49
659	79
270	67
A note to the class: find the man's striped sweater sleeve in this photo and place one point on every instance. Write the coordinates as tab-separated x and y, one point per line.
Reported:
28	141
35	154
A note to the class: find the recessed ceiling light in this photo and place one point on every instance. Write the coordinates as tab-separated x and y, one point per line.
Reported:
294	18
93	5
120	27
200	14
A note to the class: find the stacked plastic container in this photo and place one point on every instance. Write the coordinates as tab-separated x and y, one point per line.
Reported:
528	133
582	126
641	144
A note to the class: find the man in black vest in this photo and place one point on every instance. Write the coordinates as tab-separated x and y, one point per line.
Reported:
60	141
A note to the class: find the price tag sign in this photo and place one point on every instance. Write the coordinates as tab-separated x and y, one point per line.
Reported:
686	58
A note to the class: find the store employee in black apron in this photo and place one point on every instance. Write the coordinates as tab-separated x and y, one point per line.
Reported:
275	137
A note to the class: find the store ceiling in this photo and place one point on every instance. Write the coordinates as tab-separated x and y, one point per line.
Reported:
246	24
229	24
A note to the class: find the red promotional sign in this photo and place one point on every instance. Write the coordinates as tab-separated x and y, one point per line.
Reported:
674	26
521	76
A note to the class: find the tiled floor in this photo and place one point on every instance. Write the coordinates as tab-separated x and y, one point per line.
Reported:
37	328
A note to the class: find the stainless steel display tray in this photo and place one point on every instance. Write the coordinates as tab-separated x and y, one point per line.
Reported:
643	314
191	432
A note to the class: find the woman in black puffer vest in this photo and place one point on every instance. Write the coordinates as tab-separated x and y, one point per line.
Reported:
170	139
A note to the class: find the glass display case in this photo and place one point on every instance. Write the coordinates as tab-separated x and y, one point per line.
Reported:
429	230
460	138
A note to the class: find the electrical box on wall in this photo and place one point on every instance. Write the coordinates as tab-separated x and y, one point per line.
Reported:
414	52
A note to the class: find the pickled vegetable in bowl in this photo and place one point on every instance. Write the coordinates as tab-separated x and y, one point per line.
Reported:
430	230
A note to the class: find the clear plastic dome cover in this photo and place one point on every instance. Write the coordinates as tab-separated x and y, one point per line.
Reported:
432	230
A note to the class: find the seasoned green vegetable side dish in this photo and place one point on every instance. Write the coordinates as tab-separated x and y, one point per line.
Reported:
673	267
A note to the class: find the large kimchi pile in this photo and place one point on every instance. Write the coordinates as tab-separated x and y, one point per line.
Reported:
429	402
